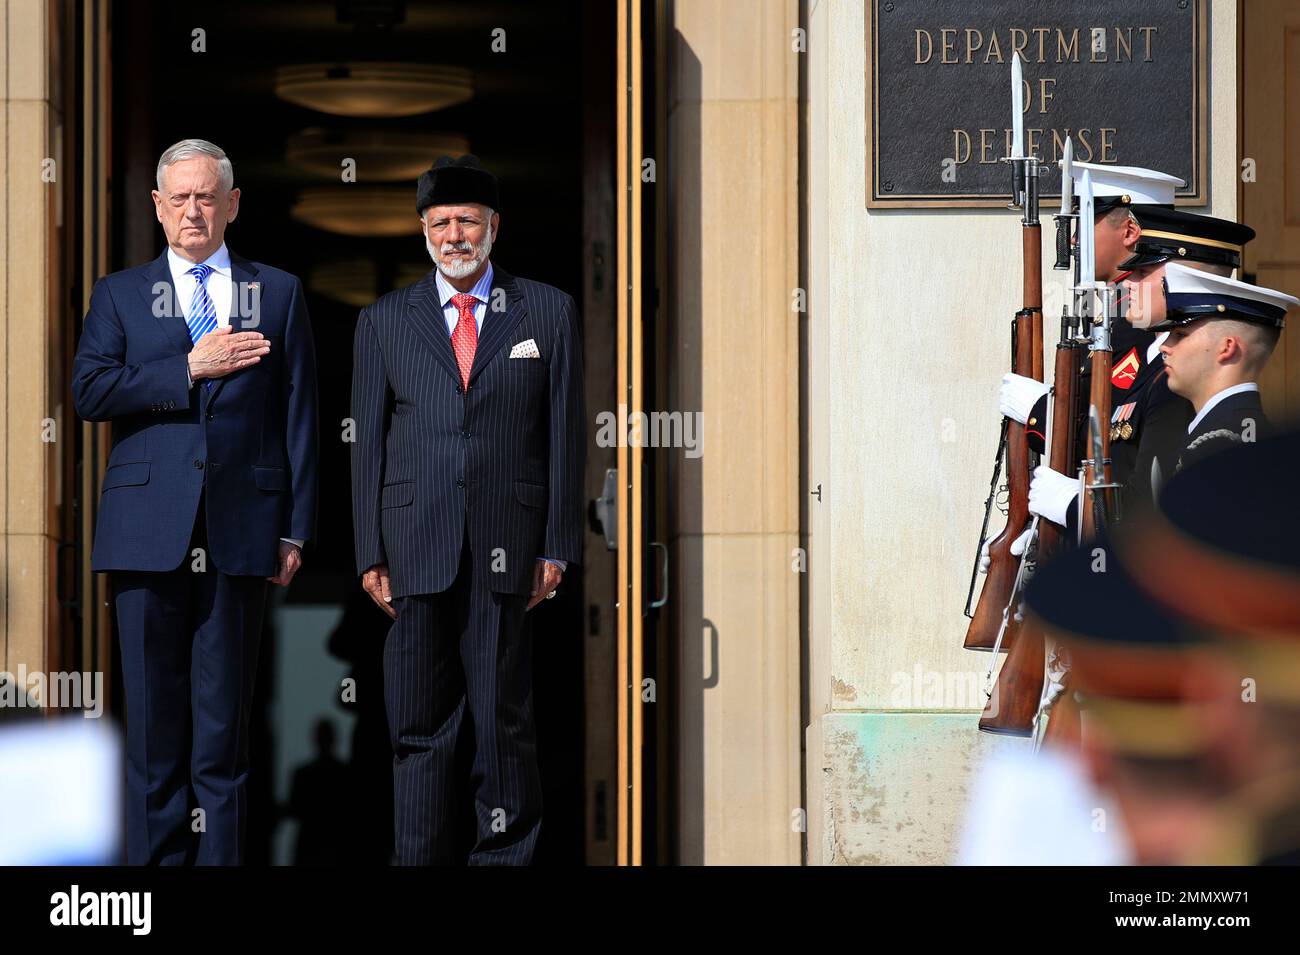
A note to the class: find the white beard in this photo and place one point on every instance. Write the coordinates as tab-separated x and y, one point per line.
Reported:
460	269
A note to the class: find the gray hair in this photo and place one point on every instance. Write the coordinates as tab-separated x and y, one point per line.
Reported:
192	149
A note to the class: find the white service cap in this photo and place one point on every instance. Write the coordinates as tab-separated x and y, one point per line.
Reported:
1129	185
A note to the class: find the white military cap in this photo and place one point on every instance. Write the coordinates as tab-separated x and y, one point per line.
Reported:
1191	294
1114	186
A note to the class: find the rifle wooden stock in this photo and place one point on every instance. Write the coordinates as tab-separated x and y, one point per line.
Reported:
1064	727
1031	282
1032	237
1011	709
1013	706
1099	399
1063	456
1001	579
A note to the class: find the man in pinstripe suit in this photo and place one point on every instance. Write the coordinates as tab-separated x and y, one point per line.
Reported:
467	470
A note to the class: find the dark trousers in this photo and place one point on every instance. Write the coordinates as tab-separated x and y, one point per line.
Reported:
189	642
458	668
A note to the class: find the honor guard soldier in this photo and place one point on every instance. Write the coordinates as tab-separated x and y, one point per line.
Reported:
1149	429
1221	333
1123	196
1136	224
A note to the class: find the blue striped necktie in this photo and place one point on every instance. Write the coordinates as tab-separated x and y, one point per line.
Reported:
203	314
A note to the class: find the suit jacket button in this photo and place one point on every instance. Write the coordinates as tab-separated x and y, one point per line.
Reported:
458	389
211	416
198	465
460	482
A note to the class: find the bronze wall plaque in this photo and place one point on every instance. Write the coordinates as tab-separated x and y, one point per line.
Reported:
1127	79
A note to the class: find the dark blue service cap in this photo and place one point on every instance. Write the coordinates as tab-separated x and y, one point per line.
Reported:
1171	235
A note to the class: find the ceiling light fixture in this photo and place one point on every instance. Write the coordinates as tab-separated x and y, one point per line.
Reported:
348	209
380	155
374	89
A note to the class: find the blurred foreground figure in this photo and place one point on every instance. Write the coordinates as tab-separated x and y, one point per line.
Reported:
1040	808
1191	689
1144	738
1222	553
60	795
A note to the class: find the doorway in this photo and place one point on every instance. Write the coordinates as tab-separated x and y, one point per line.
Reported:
541	115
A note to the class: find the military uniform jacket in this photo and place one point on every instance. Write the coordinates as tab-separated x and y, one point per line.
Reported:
1148	420
1237	418
1135	393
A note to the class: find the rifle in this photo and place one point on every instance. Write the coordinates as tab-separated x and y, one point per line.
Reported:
1014	704
1097	503
1063	456
1017	697
986	628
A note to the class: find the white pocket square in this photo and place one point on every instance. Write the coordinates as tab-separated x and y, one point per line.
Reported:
526	349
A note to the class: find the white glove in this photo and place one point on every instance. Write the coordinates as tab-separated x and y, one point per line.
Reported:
1020	543
1018	396
1050	494
1017	548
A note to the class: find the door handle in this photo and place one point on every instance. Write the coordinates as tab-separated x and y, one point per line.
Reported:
656	604
604	510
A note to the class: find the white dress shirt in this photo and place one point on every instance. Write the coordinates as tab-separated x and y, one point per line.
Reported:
220	290
1154	348
1205	409
219	282
482	291
218	285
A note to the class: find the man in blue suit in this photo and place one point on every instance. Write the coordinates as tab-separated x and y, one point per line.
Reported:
204	363
467	474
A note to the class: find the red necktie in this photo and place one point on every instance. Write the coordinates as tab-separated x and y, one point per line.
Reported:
464	339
